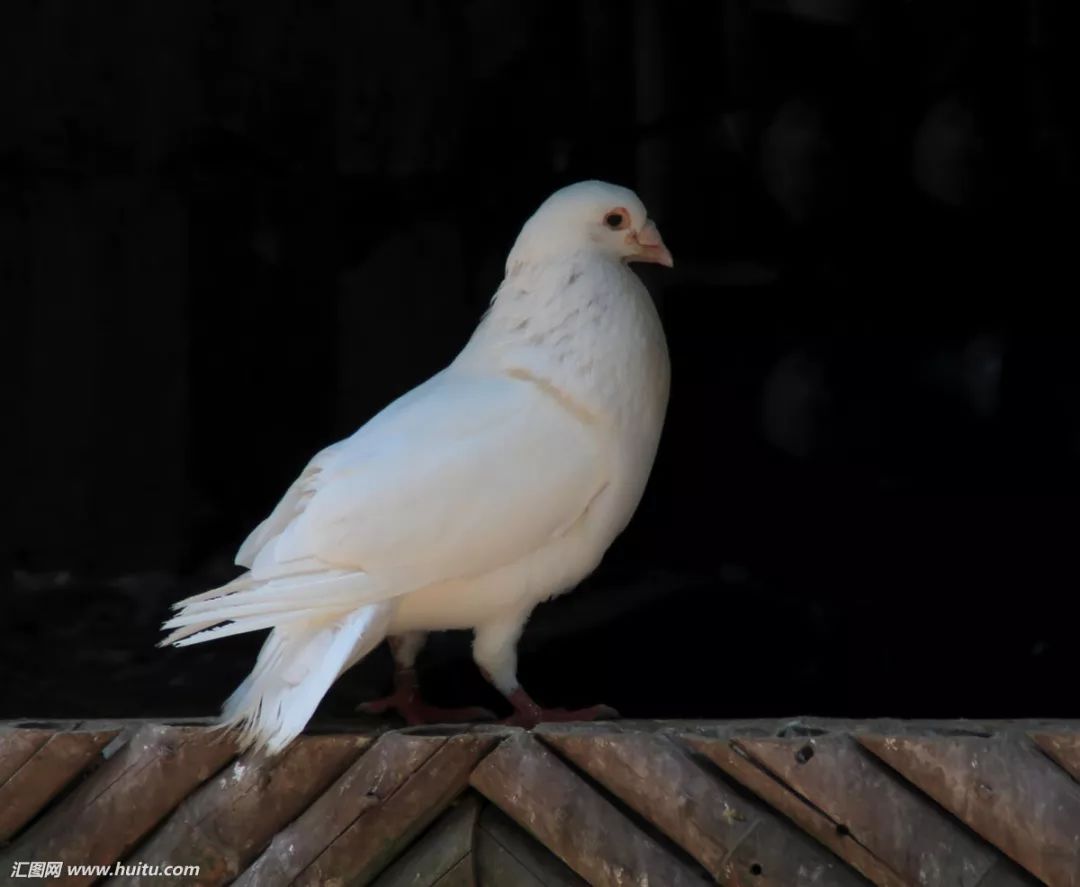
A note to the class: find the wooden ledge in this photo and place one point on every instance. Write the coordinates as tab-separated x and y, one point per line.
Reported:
781	802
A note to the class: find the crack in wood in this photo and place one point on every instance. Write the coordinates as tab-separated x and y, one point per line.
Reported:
374	805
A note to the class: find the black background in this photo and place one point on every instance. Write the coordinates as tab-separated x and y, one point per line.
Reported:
241	228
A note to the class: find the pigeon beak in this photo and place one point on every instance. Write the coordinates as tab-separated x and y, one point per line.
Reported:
650	247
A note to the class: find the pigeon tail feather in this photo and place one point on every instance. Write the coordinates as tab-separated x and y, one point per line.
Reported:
298	663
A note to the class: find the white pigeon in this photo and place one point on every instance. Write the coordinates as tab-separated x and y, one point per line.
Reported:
496	484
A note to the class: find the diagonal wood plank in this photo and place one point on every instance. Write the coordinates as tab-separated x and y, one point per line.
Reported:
1064	748
58	761
1002	788
357	826
124	799
573	820
442	855
658	779
461	875
507	856
865	800
360	790
1008	876
772	846
226	823
18	745
368	845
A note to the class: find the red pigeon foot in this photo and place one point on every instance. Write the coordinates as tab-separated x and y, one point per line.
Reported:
416	712
528	714
407	702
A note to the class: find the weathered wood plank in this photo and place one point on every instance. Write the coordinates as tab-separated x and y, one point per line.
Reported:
770	853
573	820
103	819
226	823
507	856
17	746
708	819
829	784
658	780
1009	874
61	758
1064	748
442	855
865	800
461	875
1002	788
361	789
355	828
370	843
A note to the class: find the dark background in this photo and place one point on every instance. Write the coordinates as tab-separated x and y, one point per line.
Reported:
241	228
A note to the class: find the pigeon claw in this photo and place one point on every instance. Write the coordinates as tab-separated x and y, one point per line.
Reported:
417	712
528	714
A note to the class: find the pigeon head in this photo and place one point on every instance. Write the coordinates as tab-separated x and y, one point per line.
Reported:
595	218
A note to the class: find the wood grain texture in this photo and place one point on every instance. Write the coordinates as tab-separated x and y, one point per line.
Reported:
656	777
1004	789
774	851
1064	748
508	856
865	800
227	822
573	820
18	745
45	774
358	825
443	855
743	804
103	819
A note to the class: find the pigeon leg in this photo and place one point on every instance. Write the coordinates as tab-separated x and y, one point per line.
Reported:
528	714
495	652
406	699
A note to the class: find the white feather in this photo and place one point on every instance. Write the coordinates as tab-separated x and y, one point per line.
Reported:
498	482
297	665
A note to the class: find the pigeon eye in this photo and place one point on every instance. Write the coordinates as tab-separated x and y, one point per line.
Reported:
614	220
